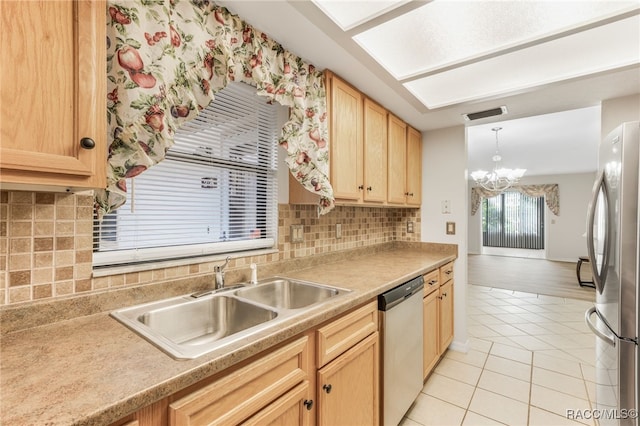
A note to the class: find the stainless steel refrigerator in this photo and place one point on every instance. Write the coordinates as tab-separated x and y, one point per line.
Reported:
612	244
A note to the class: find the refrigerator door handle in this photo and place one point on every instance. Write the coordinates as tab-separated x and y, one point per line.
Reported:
598	275
587	318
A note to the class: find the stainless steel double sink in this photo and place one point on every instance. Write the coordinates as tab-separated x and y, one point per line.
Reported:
192	325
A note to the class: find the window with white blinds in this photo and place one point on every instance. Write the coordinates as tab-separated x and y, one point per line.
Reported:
216	191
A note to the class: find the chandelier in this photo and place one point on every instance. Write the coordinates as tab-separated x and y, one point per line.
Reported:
499	178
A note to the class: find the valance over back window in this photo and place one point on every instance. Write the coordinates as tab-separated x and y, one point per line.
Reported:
167	59
550	192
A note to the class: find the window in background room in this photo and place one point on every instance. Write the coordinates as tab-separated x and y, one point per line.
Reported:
216	191
513	220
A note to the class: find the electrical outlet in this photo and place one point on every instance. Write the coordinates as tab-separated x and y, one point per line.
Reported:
451	228
297	233
338	230
409	227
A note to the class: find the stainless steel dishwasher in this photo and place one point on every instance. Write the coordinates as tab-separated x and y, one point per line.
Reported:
401	326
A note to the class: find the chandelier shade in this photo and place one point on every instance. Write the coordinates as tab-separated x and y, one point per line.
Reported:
499	178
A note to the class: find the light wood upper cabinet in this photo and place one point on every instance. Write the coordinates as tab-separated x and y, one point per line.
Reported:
346	139
53	94
375	152
375	157
397	160
414	168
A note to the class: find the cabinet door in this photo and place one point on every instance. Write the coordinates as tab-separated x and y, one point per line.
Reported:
414	167
288	410
244	392
346	140
53	93
430	350
446	315
348	387
375	152
397	160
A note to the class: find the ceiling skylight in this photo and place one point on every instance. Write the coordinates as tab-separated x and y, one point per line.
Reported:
611	46
444	33
349	14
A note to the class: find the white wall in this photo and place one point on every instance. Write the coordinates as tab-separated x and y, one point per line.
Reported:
564	234
444	169
618	110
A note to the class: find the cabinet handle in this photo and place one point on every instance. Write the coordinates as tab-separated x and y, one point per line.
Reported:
87	143
369	188
327	388
410	194
448	272
432	282
360	187
308	403
444	295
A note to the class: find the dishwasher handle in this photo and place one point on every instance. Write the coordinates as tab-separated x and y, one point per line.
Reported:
400	293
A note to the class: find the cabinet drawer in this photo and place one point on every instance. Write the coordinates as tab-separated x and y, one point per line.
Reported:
242	393
431	281
338	336
446	273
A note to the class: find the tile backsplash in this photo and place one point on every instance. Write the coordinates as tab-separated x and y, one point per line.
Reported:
46	243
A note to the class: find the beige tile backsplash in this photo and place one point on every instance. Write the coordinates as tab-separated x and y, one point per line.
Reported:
46	243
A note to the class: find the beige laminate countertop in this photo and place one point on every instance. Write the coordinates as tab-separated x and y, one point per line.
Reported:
94	370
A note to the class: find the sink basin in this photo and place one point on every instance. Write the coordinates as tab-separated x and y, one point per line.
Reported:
205	321
285	293
189	326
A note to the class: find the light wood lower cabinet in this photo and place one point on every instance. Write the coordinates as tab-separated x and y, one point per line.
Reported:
348	376
446	315
437	315
348	386
327	376
247	391
293	408
431	348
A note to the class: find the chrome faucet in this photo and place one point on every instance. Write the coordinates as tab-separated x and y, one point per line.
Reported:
219	270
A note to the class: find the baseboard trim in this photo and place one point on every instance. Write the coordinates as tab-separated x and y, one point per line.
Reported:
460	346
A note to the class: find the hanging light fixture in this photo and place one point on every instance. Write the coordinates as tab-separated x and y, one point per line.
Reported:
499	178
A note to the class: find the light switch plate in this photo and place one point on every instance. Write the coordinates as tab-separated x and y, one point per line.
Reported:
297	233
446	206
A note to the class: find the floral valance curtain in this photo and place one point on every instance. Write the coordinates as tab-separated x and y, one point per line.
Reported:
549	191
165	61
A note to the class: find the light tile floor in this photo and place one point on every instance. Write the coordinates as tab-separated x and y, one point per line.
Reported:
531	360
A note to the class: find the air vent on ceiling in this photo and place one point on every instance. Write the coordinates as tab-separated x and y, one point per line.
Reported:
484	114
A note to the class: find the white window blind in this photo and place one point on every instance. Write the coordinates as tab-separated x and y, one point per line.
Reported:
216	191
